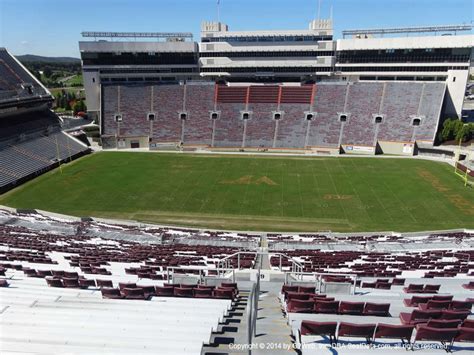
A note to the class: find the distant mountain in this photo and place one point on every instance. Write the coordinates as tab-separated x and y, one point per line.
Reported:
29	58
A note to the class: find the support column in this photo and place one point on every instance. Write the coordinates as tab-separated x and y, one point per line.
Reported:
275	134
308	128
213	132
244	133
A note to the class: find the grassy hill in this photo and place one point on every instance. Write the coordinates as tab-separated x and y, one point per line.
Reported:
40	59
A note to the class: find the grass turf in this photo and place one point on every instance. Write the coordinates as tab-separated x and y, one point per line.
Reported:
255	193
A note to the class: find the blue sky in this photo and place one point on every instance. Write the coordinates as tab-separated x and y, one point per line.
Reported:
52	27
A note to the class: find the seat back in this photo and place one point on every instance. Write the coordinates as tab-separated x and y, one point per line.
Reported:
356	330
166	291
202	292
416	300
70	282
461	305
104	283
224	293
351	307
431	288
468	323
443	323
297	296
288	288
377	308
183	292
419	315
318	328
442	297
398	282
331	307
229	285
123	285
424	332
438	304
306	289
392	331
133	292
300	306
452	314
110	292
415	287
465	335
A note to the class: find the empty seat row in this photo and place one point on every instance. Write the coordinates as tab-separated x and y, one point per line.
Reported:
433	331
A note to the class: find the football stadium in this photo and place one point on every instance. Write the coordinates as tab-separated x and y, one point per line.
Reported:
258	191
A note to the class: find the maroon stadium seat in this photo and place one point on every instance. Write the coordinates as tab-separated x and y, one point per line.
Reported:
164	291
319	328
391	331
328	307
443	323
297	296
354	308
136	293
377	309
300	306
54	281
203	292
465	335
413	288
183	292
306	289
416	300
468	323
113	293
460	305
434	305
445	336
104	283
431	288
452	314
418	316
356	330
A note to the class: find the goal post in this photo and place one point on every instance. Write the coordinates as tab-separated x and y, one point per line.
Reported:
464	173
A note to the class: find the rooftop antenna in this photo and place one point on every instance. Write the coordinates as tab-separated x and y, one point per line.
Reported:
330	13
319	10
218	10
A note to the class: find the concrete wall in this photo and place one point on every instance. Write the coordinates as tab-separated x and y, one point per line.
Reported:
397	148
456	86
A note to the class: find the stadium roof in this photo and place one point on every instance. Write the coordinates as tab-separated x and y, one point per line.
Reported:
137	34
382	31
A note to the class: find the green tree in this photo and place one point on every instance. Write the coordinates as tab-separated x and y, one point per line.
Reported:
47	72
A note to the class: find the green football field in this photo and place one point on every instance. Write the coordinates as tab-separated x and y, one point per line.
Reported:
255	192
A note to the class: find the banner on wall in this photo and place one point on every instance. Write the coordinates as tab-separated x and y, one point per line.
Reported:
356	148
408	148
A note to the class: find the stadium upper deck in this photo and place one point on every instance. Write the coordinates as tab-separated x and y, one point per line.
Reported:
17	85
31	140
280	56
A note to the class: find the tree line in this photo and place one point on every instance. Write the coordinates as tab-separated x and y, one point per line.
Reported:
455	129
68	101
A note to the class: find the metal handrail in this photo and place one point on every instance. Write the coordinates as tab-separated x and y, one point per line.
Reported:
318	278
220	272
296	266
252	312
226	260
